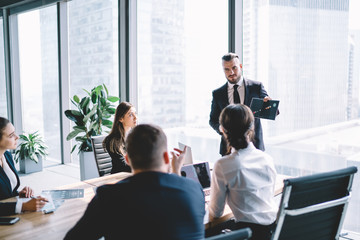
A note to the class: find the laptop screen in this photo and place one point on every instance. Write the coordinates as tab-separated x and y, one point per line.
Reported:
199	172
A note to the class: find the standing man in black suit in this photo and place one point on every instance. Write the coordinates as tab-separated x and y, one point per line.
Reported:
151	204
236	90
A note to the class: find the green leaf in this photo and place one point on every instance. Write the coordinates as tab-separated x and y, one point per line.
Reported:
107	123
94	96
87	92
75	116
73	148
113	99
107	92
111	110
76	99
81	138
103	101
24	137
84	105
102	93
80	128
72	134
90	114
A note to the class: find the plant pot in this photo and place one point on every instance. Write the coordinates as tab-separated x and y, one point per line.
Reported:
88	168
29	166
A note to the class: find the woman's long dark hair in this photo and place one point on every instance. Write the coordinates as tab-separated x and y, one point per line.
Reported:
3	123
116	138
237	122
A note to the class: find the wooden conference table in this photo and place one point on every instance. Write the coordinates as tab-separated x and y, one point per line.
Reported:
37	225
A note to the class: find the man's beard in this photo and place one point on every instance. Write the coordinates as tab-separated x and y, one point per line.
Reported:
234	81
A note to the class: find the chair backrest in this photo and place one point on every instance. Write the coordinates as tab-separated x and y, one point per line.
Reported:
314	207
102	157
241	234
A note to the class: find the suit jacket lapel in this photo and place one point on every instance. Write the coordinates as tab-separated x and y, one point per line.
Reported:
247	100
224	95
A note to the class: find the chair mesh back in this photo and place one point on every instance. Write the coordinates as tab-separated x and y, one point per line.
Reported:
322	224
102	158
318	188
318	191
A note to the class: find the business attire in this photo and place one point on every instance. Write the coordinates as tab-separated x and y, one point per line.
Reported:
148	205
118	160
223	96
245	180
9	184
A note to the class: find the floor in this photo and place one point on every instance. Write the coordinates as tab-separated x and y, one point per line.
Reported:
53	175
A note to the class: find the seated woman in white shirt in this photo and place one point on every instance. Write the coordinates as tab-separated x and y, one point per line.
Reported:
244	179
9	179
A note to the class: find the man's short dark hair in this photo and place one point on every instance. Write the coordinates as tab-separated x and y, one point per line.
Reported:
229	56
145	146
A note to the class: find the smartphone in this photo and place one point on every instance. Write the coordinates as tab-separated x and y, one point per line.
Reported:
8	220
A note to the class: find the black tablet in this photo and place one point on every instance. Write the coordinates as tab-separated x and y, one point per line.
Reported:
261	109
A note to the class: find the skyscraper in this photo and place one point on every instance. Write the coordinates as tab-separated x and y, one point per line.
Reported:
162	71
301	55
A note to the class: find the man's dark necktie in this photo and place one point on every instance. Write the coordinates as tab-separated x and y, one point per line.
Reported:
236	94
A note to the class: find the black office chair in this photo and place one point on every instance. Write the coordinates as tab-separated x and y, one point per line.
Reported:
241	234
102	158
314	207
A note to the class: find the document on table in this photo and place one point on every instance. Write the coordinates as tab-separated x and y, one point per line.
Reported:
49	207
65	194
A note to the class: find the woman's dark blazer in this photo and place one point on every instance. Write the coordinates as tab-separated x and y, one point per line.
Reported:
8	208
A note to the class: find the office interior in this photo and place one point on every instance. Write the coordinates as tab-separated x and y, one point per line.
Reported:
165	58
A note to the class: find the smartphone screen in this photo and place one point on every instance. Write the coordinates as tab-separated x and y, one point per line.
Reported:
8	220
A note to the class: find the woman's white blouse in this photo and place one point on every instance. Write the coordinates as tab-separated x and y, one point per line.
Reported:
245	180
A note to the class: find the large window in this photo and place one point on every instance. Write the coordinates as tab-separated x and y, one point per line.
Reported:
39	78
179	64
93	47
308	56
3	101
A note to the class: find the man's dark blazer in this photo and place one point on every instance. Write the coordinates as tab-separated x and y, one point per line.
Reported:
5	187
253	89
148	205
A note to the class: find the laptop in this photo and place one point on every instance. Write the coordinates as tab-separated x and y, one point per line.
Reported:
188	156
199	172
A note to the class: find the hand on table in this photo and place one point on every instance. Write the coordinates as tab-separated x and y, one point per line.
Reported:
26	192
35	204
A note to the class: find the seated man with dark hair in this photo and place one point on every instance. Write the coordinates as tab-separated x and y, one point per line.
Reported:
151	204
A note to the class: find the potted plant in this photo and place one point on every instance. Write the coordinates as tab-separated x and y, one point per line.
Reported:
31	152
91	118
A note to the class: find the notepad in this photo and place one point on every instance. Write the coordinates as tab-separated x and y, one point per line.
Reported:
266	110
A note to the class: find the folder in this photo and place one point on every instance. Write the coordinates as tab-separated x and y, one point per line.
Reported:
266	110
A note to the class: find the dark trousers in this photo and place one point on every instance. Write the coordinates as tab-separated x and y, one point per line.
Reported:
259	232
